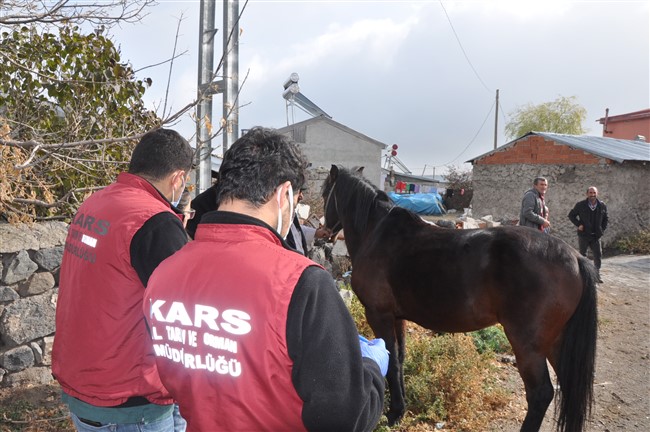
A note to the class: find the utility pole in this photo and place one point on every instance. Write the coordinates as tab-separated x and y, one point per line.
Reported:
496	119
231	72
205	90
207	86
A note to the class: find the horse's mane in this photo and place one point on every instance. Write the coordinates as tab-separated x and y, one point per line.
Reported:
354	191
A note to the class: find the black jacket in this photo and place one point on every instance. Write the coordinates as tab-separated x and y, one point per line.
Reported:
594	221
291	241
204	202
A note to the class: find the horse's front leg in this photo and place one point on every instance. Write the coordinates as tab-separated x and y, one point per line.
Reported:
386	327
400	332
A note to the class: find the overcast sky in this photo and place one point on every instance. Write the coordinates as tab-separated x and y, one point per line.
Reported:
420	74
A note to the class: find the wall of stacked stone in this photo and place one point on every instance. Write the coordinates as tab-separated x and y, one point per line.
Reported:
30	258
499	188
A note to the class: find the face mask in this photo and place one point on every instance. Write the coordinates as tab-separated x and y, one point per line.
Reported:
279	227
175	203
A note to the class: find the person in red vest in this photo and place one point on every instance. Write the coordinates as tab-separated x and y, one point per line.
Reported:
248	334
102	354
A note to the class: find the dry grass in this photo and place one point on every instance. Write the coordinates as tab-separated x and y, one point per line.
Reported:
450	386
33	409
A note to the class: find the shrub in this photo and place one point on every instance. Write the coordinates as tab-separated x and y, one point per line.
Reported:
638	243
446	378
491	339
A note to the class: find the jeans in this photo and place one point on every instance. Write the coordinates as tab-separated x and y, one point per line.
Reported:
175	423
592	243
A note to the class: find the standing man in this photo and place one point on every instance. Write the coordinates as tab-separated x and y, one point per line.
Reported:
534	212
102	354
248	334
296	237
300	236
590	216
204	202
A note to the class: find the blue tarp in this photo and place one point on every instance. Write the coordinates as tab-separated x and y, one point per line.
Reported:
420	203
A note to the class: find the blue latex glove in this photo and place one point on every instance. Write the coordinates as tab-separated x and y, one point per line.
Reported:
375	350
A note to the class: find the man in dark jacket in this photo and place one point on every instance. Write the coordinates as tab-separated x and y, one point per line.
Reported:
204	202
248	334
590	216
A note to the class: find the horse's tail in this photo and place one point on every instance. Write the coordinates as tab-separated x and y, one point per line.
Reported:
577	357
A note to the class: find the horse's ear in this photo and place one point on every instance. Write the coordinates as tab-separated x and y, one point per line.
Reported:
334	172
360	170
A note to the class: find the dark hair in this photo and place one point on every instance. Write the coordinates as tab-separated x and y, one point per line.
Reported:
257	163
539	179
183	203
159	153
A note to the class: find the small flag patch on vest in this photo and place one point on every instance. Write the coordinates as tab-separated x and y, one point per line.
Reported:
90	241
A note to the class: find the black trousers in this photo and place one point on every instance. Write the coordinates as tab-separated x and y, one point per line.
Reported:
592	243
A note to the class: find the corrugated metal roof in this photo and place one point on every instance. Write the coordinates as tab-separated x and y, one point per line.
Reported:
615	149
610	148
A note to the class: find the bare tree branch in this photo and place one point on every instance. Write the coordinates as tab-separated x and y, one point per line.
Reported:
106	12
32	143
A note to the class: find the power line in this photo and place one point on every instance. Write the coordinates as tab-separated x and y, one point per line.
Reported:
502	115
472	140
463	49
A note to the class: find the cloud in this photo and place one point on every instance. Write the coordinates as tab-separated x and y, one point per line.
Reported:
520	10
370	41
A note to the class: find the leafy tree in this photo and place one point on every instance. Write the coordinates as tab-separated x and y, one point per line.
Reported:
563	115
70	108
64	110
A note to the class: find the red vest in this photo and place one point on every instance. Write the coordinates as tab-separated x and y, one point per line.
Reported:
102	351
218	311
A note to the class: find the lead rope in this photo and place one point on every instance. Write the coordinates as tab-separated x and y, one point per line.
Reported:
336	207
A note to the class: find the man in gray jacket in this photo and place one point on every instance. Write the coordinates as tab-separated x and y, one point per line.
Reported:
533	209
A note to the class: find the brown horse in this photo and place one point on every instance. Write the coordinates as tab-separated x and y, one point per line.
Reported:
536	286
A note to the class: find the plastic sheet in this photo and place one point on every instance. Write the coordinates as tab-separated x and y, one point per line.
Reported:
420	203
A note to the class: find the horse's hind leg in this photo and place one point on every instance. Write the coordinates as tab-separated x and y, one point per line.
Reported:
539	389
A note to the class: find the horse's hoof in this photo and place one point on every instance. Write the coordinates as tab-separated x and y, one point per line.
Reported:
393	417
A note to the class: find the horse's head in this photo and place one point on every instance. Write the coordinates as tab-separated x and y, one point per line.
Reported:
330	210
335	190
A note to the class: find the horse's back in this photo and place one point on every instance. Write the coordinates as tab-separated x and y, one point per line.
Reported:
404	237
461	280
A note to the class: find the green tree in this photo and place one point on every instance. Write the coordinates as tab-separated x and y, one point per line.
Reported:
70	112
563	115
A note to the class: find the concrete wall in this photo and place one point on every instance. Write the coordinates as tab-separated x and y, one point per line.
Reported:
499	188
326	145
30	257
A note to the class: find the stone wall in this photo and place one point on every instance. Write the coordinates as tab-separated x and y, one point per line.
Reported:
30	257
499	188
